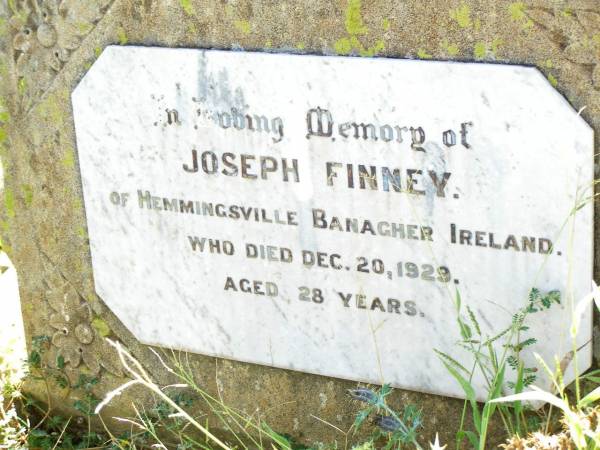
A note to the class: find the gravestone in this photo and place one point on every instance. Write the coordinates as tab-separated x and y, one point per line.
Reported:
314	221
293	220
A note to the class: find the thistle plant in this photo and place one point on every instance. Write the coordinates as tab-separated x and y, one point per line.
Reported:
580	419
492	364
398	429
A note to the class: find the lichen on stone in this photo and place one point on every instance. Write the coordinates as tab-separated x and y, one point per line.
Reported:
450	48
462	15
187	7
354	22
422	54
9	202
27	190
243	26
355	27
480	50
517	14
123	39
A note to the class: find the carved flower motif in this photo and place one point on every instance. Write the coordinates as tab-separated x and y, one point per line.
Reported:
75	338
45	32
575	30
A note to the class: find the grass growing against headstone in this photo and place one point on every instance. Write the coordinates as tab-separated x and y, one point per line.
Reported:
576	405
390	429
493	365
571	422
26	423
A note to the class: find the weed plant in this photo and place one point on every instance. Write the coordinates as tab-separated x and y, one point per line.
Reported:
391	430
493	365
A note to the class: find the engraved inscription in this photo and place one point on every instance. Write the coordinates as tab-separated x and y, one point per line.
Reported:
349	212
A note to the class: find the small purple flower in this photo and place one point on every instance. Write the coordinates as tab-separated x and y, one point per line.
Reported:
363	395
387	423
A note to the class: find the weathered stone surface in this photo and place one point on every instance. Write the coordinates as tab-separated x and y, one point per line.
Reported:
280	233
43	223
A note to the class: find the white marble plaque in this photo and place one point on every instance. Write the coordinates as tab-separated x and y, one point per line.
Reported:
320	213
